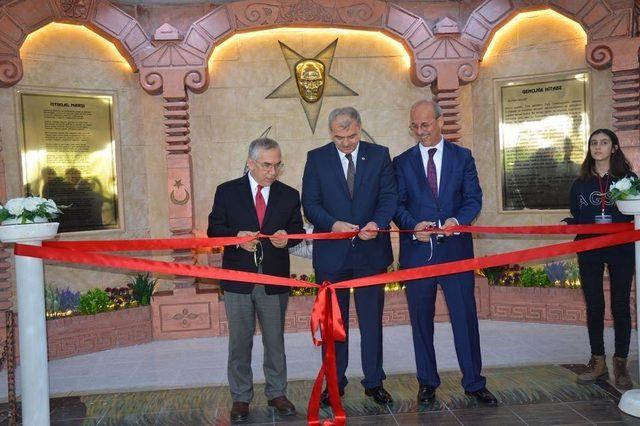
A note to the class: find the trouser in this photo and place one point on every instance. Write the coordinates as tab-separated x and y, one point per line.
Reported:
458	291
620	262
241	315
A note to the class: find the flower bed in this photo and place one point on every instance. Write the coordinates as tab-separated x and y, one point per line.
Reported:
83	334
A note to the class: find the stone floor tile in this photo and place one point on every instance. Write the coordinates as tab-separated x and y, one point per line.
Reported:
502	416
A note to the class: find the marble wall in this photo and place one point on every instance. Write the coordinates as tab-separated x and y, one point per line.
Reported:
233	111
540	43
62	57
246	68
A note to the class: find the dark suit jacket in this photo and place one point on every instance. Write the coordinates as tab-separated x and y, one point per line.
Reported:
234	210
325	199
459	196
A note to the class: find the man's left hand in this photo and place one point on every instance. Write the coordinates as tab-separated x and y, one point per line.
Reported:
448	224
279	238
369	231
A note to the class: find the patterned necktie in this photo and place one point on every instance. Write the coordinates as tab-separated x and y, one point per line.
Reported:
432	175
351	174
261	206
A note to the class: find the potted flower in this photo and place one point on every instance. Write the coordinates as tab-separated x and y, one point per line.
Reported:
28	210
626	194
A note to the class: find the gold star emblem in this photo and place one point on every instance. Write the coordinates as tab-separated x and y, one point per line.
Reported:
178	183
289	88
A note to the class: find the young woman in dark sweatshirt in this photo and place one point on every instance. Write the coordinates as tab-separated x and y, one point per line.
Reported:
590	202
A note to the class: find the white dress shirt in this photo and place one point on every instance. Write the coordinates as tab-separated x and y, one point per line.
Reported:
437	158
254	190
345	162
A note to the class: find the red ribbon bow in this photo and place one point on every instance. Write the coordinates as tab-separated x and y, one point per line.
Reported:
327	319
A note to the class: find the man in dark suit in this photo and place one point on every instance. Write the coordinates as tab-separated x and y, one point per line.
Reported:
257	202
438	187
348	185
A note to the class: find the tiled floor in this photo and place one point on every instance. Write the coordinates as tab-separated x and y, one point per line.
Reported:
535	395
189	363
530	367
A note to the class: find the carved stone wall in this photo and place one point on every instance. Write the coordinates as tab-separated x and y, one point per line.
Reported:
444	50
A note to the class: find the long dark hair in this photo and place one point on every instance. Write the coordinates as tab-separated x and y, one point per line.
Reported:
619	166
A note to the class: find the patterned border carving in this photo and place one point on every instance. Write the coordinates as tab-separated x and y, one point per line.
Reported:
597	17
19	18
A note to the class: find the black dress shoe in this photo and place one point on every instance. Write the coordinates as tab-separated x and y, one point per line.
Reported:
379	395
426	394
483	396
240	412
324	396
283	406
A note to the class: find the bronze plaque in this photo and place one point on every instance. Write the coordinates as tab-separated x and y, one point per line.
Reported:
543	131
69	156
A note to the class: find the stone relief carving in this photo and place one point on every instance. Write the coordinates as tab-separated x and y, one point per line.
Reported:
76	9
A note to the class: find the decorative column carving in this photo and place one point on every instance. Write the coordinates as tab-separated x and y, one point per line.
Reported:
454	60
170	69
622	55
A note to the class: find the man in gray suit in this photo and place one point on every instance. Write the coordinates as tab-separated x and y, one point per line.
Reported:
257	202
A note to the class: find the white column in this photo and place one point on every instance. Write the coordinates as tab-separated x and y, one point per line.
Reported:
34	371
630	400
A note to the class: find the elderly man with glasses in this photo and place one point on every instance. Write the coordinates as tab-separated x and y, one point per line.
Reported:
257	203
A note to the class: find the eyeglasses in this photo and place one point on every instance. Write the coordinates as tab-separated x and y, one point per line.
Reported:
258	254
268	166
422	126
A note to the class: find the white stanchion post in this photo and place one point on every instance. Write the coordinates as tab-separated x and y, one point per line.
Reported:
630	400
34	370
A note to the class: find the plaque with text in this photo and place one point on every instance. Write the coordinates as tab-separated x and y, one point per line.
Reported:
543	132
69	156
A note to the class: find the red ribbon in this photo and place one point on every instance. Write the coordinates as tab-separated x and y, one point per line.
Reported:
327	318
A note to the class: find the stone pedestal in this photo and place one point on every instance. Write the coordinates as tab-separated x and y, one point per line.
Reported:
630	400
34	370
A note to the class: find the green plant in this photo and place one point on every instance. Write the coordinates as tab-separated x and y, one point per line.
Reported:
304	291
493	274
51	299
625	188
534	277
120	298
28	208
94	301
142	288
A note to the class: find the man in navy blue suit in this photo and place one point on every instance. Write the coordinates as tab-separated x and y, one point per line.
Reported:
348	185
438	188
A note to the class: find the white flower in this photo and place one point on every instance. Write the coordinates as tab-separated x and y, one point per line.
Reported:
622	185
31	203
15	206
51	206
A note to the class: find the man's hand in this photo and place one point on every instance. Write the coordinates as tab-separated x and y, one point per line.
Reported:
281	240
369	232
249	245
422	232
341	226
448	224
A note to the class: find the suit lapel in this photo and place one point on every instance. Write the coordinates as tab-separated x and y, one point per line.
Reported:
418	166
361	167
246	198
274	196
447	167
336	165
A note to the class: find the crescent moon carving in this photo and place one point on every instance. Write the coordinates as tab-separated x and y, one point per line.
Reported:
182	202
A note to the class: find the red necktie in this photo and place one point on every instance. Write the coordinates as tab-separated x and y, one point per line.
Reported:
432	175
261	206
